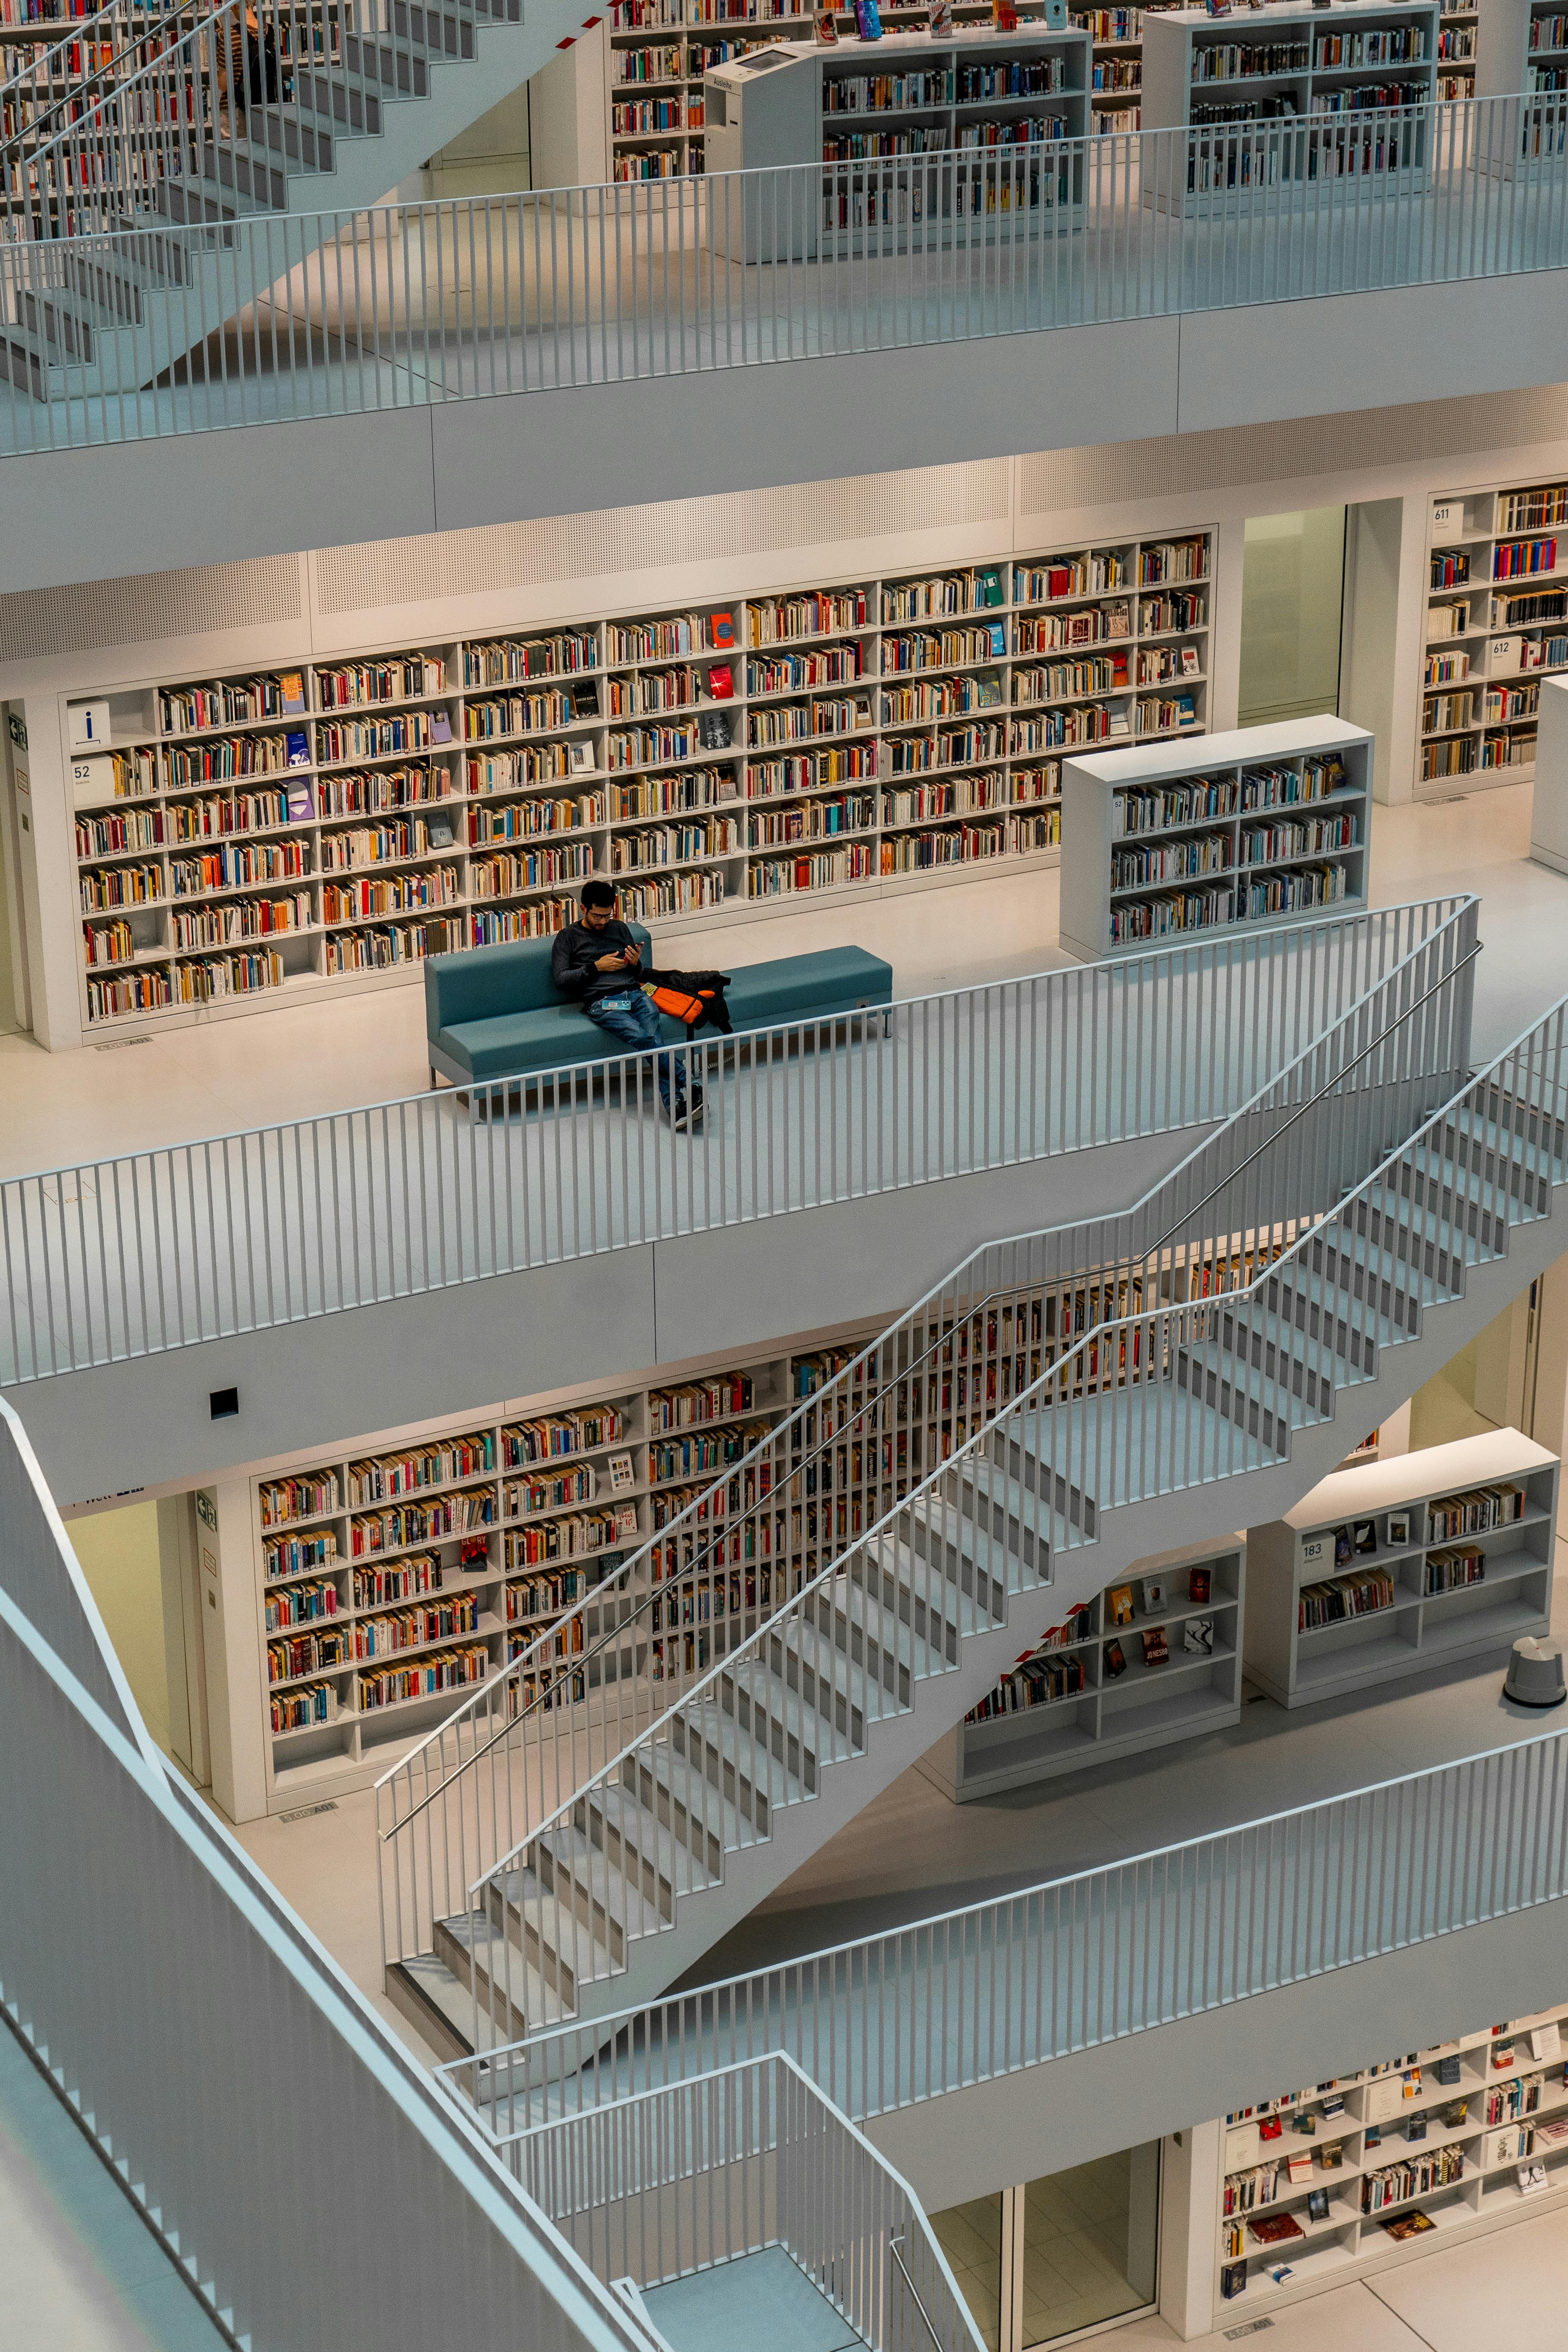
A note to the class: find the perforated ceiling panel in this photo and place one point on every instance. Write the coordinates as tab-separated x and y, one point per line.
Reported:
393	572
1177	465
37	621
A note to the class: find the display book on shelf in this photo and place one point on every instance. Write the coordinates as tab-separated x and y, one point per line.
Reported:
1264	824
1497	623
1383	2164
1400	1565
1289	98
1152	1657
890	730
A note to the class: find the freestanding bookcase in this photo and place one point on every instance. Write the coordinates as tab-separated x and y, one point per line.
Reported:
916	137
1141	1705
1523	47
1410	1597
1549	803
1282	101
1264	824
1497	624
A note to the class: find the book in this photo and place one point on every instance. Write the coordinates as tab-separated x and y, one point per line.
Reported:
1531	2177
1275	2228
1115	1659
1233	2281
1502	2057
1156	1649
939	19
867	20
291	687
1299	2168
1454	2114
1197	1636
1331	2156
1005	16
1409	2225
721	629
988	584
440	727
1318	2205
1306	2123
1342	1546
1416	2127
1449	2068
1154	1594
622	1474
1119	1604
300	802
714	731
1199	1583
297	748
1545	2042
1365	1534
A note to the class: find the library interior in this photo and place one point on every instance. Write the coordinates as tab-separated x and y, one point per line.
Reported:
599	1746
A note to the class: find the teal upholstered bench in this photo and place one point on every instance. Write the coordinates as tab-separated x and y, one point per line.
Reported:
493	1013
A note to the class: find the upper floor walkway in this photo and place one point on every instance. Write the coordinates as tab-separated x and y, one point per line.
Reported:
1118	299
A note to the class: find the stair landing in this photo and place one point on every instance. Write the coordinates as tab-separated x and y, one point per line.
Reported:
764	2301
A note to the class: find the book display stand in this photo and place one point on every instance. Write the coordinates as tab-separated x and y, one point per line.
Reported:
1401	1565
1154	1657
1324	2184
1497	623
295	830
1264	824
1289	99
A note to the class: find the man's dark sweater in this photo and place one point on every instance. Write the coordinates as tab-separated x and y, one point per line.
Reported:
577	951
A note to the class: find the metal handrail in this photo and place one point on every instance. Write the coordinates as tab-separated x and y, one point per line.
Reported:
893	2246
528	1659
1053	1376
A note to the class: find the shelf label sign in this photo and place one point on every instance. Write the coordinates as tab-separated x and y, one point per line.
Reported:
1447	514
1506	656
1313	1549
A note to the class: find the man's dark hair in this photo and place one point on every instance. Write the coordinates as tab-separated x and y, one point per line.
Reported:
598	894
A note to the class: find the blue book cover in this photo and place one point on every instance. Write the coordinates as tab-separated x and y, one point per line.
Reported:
298	748
867	20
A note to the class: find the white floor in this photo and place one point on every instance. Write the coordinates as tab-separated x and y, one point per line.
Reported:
220	1076
1510	2288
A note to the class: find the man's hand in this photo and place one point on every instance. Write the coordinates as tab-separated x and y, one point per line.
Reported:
631	955
612	962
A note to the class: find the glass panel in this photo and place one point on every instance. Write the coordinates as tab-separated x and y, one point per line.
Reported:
971	2237
1089	2241
1292	601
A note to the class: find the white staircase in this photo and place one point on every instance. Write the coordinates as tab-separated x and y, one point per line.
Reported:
716	1736
127	194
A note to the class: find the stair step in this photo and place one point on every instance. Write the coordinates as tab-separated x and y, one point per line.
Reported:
558	1945
708	1737
831	1689
665	1786
467	1948
1280	1346
1332	1266
634	1840
889	1630
579	1874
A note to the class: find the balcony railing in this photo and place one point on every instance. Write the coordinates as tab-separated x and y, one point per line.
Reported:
153	1250
959	2000
749	2157
162	327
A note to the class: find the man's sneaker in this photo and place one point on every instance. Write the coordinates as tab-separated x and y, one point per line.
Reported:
685	1115
694	1107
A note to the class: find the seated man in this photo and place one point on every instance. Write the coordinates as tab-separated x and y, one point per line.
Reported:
598	963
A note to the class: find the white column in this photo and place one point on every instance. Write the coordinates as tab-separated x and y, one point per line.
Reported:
1189	2216
1225	626
227	1566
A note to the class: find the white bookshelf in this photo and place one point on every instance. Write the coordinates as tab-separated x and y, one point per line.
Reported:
1522	45
1023	1737
1116	73
886	732
1458	36
1397	1625
1490	641
1366	2116
1287	98
1266	824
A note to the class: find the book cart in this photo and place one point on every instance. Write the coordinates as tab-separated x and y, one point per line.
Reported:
1398	1565
1383	2165
284	834
1497	624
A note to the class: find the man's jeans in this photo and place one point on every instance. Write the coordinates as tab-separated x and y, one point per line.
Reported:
636	1023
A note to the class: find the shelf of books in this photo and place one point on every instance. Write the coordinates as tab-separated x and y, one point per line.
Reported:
1265	825
1393	1567
1497	623
390	1582
1459	24
1116	61
1522	45
1152	1658
1288	100
241	838
1323	2183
